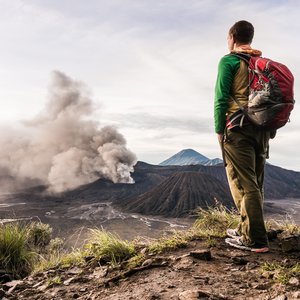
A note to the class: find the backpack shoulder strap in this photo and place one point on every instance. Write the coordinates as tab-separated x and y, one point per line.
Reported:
245	57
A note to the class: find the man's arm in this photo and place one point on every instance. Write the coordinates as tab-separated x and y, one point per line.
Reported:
220	137
227	68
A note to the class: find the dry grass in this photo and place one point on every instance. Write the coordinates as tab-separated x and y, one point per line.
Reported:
282	272
214	221
109	247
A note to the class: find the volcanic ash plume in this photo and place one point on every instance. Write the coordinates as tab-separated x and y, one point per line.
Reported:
61	147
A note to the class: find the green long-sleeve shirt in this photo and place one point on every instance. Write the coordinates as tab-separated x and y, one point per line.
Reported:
228	67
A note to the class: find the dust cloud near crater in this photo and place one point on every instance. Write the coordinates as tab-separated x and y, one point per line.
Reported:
62	147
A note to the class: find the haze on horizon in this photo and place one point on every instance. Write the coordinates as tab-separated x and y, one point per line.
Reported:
151	66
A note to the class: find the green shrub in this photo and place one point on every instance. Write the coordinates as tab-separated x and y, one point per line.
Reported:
55	245
39	234
16	257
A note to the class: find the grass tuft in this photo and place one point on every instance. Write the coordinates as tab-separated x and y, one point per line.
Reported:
288	226
16	258
108	247
136	261
60	259
179	239
54	281
282	272
214	221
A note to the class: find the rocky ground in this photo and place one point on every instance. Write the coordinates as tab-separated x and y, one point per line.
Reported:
193	272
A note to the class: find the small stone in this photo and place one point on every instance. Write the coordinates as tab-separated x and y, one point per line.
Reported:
251	265
143	251
280	297
296	295
75	296
74	271
153	296
184	264
54	294
189	295
13	283
267	274
290	243
201	254
195	294
83	290
238	253
286	261
204	278
239	260
262	286
30	278
68	281
38	284
42	287
147	262
294	281
99	272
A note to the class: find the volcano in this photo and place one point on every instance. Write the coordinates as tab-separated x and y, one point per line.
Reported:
180	195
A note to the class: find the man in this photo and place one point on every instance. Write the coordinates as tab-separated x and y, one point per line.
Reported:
244	146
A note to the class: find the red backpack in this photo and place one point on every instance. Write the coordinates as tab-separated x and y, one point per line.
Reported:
271	94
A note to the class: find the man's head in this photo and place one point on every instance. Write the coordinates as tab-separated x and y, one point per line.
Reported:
241	33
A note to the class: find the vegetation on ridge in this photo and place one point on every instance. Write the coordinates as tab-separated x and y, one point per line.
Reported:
281	272
26	248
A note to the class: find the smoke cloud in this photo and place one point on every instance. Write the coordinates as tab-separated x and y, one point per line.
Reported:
61	147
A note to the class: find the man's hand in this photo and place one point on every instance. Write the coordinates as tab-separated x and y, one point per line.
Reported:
220	137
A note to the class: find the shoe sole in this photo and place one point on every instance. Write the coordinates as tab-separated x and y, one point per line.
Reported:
256	250
232	235
260	250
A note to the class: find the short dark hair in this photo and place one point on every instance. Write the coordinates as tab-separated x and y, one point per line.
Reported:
242	32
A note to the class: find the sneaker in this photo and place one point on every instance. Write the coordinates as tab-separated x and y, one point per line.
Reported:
238	243
233	233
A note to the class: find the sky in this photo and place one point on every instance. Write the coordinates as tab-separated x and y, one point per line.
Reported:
150	65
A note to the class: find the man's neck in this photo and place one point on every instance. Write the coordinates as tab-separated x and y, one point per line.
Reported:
239	46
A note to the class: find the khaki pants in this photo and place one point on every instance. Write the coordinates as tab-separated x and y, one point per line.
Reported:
245	151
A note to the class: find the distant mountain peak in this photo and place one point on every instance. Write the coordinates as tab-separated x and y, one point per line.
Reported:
189	157
190	151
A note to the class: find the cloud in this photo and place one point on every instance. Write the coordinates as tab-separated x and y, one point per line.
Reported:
144	120
61	147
